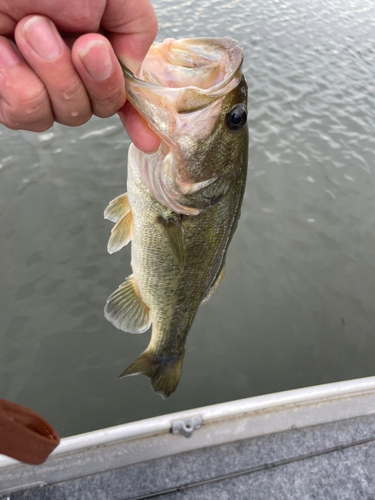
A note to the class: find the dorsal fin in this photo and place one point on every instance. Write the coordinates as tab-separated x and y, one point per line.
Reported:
176	238
126	310
117	208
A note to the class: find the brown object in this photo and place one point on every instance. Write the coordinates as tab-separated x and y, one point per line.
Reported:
24	434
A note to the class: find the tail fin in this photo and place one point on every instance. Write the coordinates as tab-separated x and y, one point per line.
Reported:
164	372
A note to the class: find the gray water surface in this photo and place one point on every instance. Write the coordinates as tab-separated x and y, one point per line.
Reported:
297	306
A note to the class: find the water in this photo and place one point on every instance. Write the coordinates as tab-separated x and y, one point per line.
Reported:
297	306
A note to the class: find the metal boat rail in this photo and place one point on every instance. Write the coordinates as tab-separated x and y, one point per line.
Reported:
133	443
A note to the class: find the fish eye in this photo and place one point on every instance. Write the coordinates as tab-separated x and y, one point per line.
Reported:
236	117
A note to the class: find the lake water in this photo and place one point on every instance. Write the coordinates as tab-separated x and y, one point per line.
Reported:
297	306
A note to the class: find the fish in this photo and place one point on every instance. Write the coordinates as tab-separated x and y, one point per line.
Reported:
183	201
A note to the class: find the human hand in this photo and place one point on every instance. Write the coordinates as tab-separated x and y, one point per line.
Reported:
24	434
64	69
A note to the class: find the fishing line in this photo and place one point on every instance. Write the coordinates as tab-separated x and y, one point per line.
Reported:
272	465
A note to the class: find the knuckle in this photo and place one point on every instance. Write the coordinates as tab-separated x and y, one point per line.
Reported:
75	120
71	90
31	112
70	103
148	23
41	127
32	100
33	125
105	105
89	16
153	26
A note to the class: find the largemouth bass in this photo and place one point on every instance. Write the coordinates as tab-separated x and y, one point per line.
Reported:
183	202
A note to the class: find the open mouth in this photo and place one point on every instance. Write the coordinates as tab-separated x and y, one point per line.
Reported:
186	74
202	63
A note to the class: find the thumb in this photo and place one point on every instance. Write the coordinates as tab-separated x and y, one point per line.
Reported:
131	27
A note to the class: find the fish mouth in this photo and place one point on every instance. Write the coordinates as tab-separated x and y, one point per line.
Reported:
183	76
205	63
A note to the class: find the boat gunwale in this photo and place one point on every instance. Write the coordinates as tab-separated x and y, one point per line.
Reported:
210	414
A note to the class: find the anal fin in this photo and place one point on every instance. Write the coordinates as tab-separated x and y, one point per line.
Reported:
215	286
126	310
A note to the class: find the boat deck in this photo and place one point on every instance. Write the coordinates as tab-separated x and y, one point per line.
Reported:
334	459
331	461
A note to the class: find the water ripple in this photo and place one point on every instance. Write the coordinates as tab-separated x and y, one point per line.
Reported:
297	305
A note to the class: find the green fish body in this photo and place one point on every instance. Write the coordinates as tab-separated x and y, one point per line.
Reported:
183	201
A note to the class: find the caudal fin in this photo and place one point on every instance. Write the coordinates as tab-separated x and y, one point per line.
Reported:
164	372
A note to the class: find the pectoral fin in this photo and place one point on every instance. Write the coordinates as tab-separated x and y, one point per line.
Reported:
117	208
215	286
121	233
176	238
126	310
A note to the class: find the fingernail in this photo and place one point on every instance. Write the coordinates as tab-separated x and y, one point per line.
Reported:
97	60
42	37
8	53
